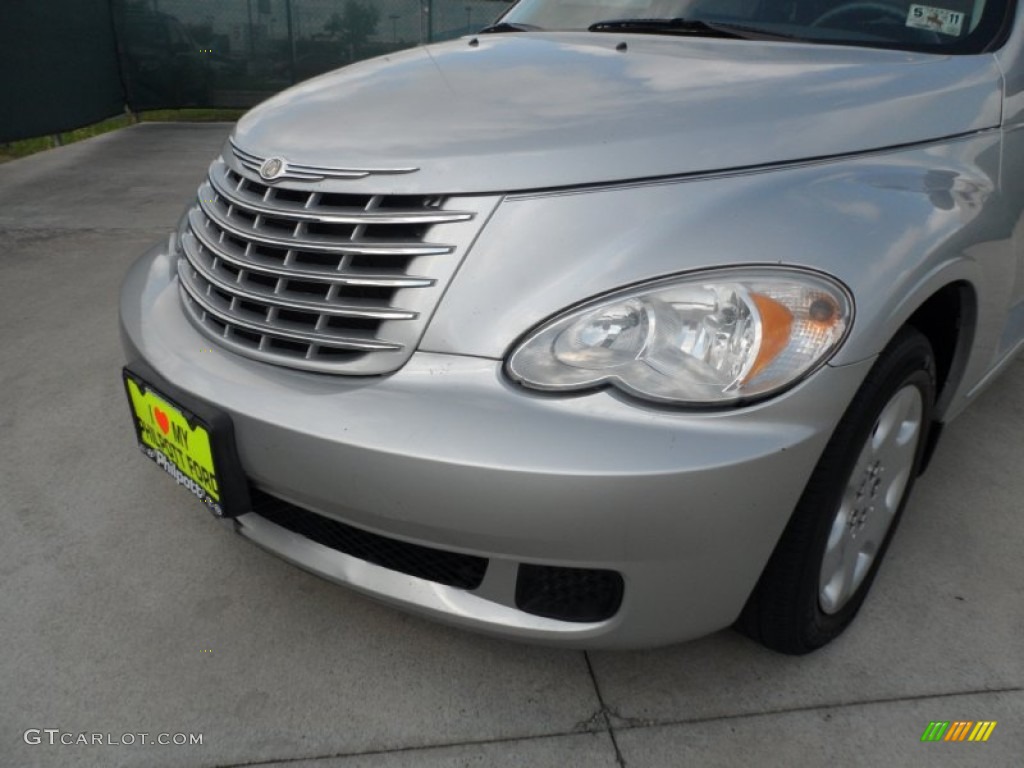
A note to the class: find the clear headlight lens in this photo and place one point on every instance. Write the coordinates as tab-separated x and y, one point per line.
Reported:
711	338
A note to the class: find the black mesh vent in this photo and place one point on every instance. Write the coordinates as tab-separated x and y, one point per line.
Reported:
449	568
568	594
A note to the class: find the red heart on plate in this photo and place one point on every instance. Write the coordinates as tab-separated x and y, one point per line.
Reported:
161	419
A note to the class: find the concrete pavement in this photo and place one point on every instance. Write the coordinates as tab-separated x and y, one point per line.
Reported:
127	609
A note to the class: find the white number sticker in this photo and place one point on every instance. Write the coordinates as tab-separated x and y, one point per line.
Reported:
935	19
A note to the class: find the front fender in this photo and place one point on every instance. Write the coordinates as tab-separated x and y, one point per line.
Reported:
894	226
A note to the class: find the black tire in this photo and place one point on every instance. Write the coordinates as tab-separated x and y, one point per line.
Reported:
785	610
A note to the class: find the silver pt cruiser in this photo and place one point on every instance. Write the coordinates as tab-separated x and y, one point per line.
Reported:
610	326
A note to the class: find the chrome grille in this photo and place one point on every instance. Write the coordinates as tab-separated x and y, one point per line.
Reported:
316	279
302	172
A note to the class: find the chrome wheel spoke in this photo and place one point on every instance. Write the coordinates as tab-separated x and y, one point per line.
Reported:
837	553
903	420
876	525
867	456
837	540
884	427
851	571
892	493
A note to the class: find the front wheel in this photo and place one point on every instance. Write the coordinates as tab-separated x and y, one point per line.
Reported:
823	566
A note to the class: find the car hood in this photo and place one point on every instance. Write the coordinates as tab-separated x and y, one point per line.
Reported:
540	110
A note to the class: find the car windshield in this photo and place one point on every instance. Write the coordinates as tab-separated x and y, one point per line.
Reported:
949	26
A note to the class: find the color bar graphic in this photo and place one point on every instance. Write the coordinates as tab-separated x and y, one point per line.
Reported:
982	730
958	730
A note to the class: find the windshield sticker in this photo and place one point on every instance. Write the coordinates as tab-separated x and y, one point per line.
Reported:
935	19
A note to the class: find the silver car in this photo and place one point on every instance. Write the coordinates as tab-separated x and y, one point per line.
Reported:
610	326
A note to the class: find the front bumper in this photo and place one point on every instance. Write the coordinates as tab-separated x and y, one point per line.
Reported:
686	506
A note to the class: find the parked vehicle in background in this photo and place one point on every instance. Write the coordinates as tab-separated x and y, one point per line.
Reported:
610	326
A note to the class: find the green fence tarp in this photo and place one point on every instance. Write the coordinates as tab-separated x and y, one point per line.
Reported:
66	63
235	53
58	66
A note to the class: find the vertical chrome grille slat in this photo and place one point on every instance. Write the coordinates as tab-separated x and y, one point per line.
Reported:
428	212
250	232
236	324
325	309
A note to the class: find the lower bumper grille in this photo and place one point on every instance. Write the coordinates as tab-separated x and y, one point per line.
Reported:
449	568
568	594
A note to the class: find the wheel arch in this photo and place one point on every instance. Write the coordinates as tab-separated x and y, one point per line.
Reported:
948	319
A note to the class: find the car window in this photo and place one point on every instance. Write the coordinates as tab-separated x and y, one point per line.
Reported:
947	26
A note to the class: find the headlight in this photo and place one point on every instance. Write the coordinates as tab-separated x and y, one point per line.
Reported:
709	339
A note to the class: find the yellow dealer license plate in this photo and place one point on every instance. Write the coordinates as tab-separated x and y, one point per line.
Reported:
181	443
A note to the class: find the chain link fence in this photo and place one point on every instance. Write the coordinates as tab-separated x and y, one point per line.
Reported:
196	53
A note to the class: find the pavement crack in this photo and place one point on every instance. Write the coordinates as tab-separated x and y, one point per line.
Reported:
619	720
603	714
596	722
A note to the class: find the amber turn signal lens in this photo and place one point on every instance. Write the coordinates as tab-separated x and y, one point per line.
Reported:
776	326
